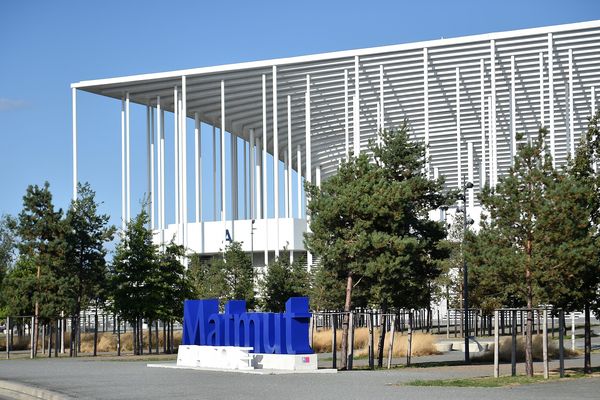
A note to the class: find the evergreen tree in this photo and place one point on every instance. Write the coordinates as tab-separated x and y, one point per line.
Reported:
41	232
207	278
283	280
172	285
370	226
531	249
86	235
134	275
7	245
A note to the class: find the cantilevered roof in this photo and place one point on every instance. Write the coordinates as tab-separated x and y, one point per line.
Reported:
409	71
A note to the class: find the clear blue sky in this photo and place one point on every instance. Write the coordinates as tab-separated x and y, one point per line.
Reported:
46	45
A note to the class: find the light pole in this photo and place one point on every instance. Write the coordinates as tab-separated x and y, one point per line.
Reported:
466	221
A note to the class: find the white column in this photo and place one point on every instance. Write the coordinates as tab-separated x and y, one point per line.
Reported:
458	147
152	176
541	62
214	170
148	173
252	175
593	95
123	168
289	160
308	173
299	181
571	107
198	166
234	178
162	168
264	167
128	158
356	107
276	160
318	176
176	155
158	165
513	106
74	123
246	156
426	107
482	120
286	166
381	99
184	197
223	190
492	143
470	177
551	94
346	116
492	108
258	180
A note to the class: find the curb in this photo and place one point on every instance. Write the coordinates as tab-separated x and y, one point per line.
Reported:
19	391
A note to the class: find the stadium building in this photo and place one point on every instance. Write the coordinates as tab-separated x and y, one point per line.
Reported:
269	125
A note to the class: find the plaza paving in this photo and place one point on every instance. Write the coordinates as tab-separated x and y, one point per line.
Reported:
87	378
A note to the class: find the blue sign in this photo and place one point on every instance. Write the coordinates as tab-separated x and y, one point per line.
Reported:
271	333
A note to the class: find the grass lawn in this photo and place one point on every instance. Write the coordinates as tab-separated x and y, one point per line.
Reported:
488	381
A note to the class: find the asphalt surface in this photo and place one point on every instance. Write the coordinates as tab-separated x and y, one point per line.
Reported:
98	379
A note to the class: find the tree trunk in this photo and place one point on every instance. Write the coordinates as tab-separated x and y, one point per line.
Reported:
528	335
149	337
50	339
347	304
587	341
382	337
164	337
156	335
134	336
118	323
96	331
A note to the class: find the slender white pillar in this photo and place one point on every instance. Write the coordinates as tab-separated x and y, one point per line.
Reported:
426	107
482	120
513	108
593	95
458	147
184	197
252	175
198	166
245	180
276	160
128	158
176	154
123	168
159	165
470	175
551	95
286	208
356	106
264	167
318	176
492	108
541	63
148	173
258	180
223	190
289	160
214	170
162	170
571	107
152	176
234	178
381	99
74	122
346	116
308	173
378	119
299	182
492	143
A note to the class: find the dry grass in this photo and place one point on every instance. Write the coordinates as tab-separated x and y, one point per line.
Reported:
107	342
422	344
506	349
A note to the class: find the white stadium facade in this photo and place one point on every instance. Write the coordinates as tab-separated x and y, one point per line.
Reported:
465	98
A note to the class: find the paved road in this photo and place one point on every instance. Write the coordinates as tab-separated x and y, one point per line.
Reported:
94	379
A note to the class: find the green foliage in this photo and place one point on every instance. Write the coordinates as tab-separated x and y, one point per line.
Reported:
20	287
86	235
371	221
41	231
283	280
227	276
7	245
171	285
327	289
533	247
135	271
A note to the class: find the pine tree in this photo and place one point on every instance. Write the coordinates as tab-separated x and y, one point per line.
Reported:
86	235
283	280
370	226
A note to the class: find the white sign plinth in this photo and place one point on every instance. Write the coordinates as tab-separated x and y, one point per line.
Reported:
240	358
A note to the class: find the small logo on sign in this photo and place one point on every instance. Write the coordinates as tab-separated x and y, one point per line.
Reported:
305	360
